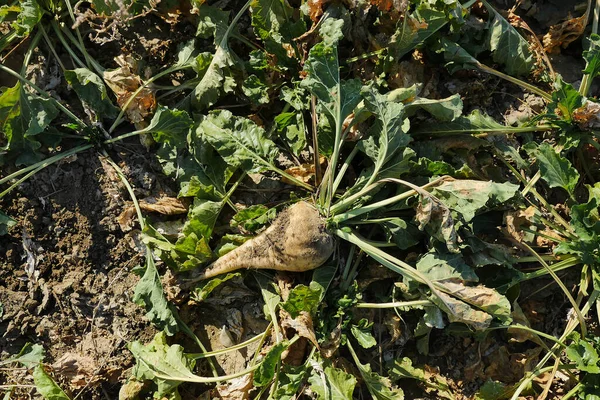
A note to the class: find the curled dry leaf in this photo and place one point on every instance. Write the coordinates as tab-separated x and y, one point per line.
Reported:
302	324
516	220
304	172
236	389
124	82
161	205
561	35
587	116
315	9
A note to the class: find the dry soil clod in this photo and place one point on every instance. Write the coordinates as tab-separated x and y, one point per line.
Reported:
296	241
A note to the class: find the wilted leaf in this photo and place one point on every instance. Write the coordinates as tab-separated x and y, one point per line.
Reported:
302	324
400	233
414	29
149	294
79	369
437	219
123	81
460	307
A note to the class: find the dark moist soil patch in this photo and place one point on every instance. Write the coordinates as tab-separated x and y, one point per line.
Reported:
77	300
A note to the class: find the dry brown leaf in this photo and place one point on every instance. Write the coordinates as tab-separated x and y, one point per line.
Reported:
315	9
588	116
161	205
515	220
236	389
304	172
124	82
520	335
303	325
80	370
561	35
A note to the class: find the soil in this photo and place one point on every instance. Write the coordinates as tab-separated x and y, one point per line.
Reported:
67	269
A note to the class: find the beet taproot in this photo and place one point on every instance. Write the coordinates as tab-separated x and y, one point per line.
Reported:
297	241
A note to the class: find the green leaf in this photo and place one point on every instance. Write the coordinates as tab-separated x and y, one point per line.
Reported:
439	266
584	355
362	333
29	356
216	78
272	21
239	141
253	217
202	292
565	99
290	379
456	57
266	371
270	296
331	383
291	128
388	135
399	232
448	109
255	90
476	122
22	117
337	98
158	358
403	368
170	126
380	387
303	298
592	56
507	45
29	15
557	171
467	197
149	294
196	234
415	29
493	390
6	223
91	91
46	386
295	97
